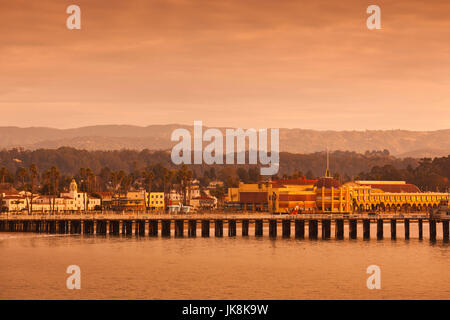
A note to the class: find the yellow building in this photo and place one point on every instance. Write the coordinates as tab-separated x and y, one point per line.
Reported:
328	195
392	196
274	196
155	201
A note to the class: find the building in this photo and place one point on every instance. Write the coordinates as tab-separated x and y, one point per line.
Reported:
328	195
81	200
156	201
204	202
72	201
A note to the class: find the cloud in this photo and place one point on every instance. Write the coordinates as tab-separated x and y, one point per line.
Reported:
228	57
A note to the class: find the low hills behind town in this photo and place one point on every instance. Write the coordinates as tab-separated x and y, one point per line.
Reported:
399	143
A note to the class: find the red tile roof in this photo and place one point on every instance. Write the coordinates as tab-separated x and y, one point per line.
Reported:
407	188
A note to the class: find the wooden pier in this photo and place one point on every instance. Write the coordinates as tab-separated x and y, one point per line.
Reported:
186	225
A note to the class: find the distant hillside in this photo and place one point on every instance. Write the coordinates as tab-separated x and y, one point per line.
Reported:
400	143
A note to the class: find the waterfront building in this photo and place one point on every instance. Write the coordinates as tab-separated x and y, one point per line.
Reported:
155	201
81	200
204	202
328	195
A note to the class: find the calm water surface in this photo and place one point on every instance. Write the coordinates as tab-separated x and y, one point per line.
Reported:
33	266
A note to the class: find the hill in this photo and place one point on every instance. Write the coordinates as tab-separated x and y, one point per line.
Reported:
400	143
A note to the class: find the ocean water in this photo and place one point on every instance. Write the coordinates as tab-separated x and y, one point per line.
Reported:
33	266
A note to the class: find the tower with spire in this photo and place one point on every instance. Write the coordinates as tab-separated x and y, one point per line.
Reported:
327	172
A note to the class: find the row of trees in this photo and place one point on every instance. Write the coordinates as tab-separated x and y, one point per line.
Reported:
70	160
428	174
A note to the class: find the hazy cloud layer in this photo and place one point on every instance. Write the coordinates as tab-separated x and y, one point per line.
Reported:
250	63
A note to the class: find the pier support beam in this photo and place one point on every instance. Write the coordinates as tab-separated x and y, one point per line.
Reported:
406	225
380	229
258	228
59	226
393	229
353	225
52	227
232	228
192	228
366	229
312	229
179	228
205	228
300	229
114	227
432	224
245	224
420	229
165	228
326	229
445	235
75	227
101	227
153	228
218	228
127	227
88	227
339	229
272	228
286	227
140	227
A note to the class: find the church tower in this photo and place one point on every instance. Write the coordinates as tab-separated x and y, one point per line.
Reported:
73	188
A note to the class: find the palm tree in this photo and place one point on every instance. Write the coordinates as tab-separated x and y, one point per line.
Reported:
33	175
21	174
148	175
184	178
54	182
3	174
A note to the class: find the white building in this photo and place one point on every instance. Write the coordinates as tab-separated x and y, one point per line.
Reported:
81	200
67	202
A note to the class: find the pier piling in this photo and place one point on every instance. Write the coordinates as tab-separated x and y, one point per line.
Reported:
153	228
420	229
218	228
245	224
300	229
205	228
258	228
179	228
165	228
339	229
114	227
353	225
286	226
445	233
393	229
312	229
406	225
366	229
432	224
380	229
192	228
232	228
326	229
272	228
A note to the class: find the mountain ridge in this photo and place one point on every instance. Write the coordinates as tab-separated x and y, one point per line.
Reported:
401	143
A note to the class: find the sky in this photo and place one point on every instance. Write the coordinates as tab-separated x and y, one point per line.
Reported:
229	63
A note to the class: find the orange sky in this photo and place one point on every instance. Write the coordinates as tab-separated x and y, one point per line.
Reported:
232	63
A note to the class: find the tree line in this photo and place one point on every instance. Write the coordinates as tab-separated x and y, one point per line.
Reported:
49	171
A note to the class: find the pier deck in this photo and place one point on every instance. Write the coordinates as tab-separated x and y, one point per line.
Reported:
163	224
